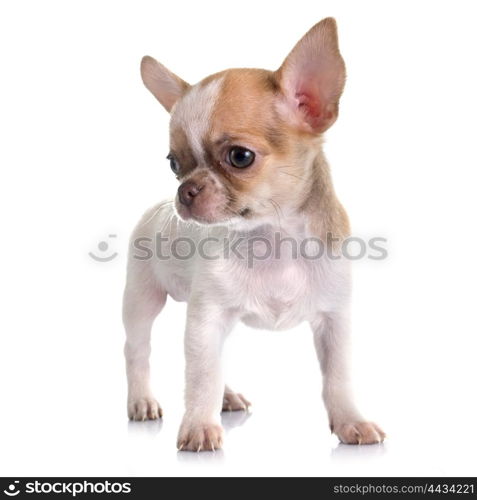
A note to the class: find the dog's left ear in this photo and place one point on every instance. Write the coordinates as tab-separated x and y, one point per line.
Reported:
312	78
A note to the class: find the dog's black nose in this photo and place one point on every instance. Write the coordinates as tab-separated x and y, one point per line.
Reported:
188	191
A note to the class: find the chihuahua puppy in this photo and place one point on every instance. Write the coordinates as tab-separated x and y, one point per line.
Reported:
246	147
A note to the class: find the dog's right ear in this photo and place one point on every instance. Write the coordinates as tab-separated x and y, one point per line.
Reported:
164	85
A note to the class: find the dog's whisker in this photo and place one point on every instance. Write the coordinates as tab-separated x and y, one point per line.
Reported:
292	175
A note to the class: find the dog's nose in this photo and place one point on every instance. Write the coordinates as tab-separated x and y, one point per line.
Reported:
188	191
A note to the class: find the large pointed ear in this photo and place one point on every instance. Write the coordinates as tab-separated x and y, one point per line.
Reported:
312	78
164	85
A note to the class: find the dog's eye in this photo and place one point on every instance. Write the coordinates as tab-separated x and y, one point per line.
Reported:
173	162
240	157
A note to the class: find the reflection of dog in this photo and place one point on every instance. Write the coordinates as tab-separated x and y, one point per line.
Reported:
245	145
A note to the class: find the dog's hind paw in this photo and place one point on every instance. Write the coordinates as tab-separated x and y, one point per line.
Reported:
234	401
144	408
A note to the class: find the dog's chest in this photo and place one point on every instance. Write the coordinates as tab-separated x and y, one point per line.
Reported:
284	289
276	295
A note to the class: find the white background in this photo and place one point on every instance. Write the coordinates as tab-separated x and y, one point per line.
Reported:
82	156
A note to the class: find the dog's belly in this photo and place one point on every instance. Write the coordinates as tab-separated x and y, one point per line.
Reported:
274	316
178	287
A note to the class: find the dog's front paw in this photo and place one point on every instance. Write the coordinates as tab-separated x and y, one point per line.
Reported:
234	401
359	433
144	408
200	437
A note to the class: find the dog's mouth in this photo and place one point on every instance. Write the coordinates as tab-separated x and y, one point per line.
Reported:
207	213
204	200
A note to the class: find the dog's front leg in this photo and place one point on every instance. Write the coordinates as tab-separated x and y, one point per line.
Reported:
143	301
206	329
331	336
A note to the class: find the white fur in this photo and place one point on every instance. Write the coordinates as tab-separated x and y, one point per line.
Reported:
193	112
273	294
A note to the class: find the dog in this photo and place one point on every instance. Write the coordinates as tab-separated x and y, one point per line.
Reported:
246	147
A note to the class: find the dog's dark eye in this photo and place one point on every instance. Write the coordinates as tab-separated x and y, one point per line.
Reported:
173	162
240	157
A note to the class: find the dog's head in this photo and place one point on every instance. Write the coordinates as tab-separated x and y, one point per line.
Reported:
241	140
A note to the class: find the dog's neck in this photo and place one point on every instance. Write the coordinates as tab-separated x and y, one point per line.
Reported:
317	212
321	208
